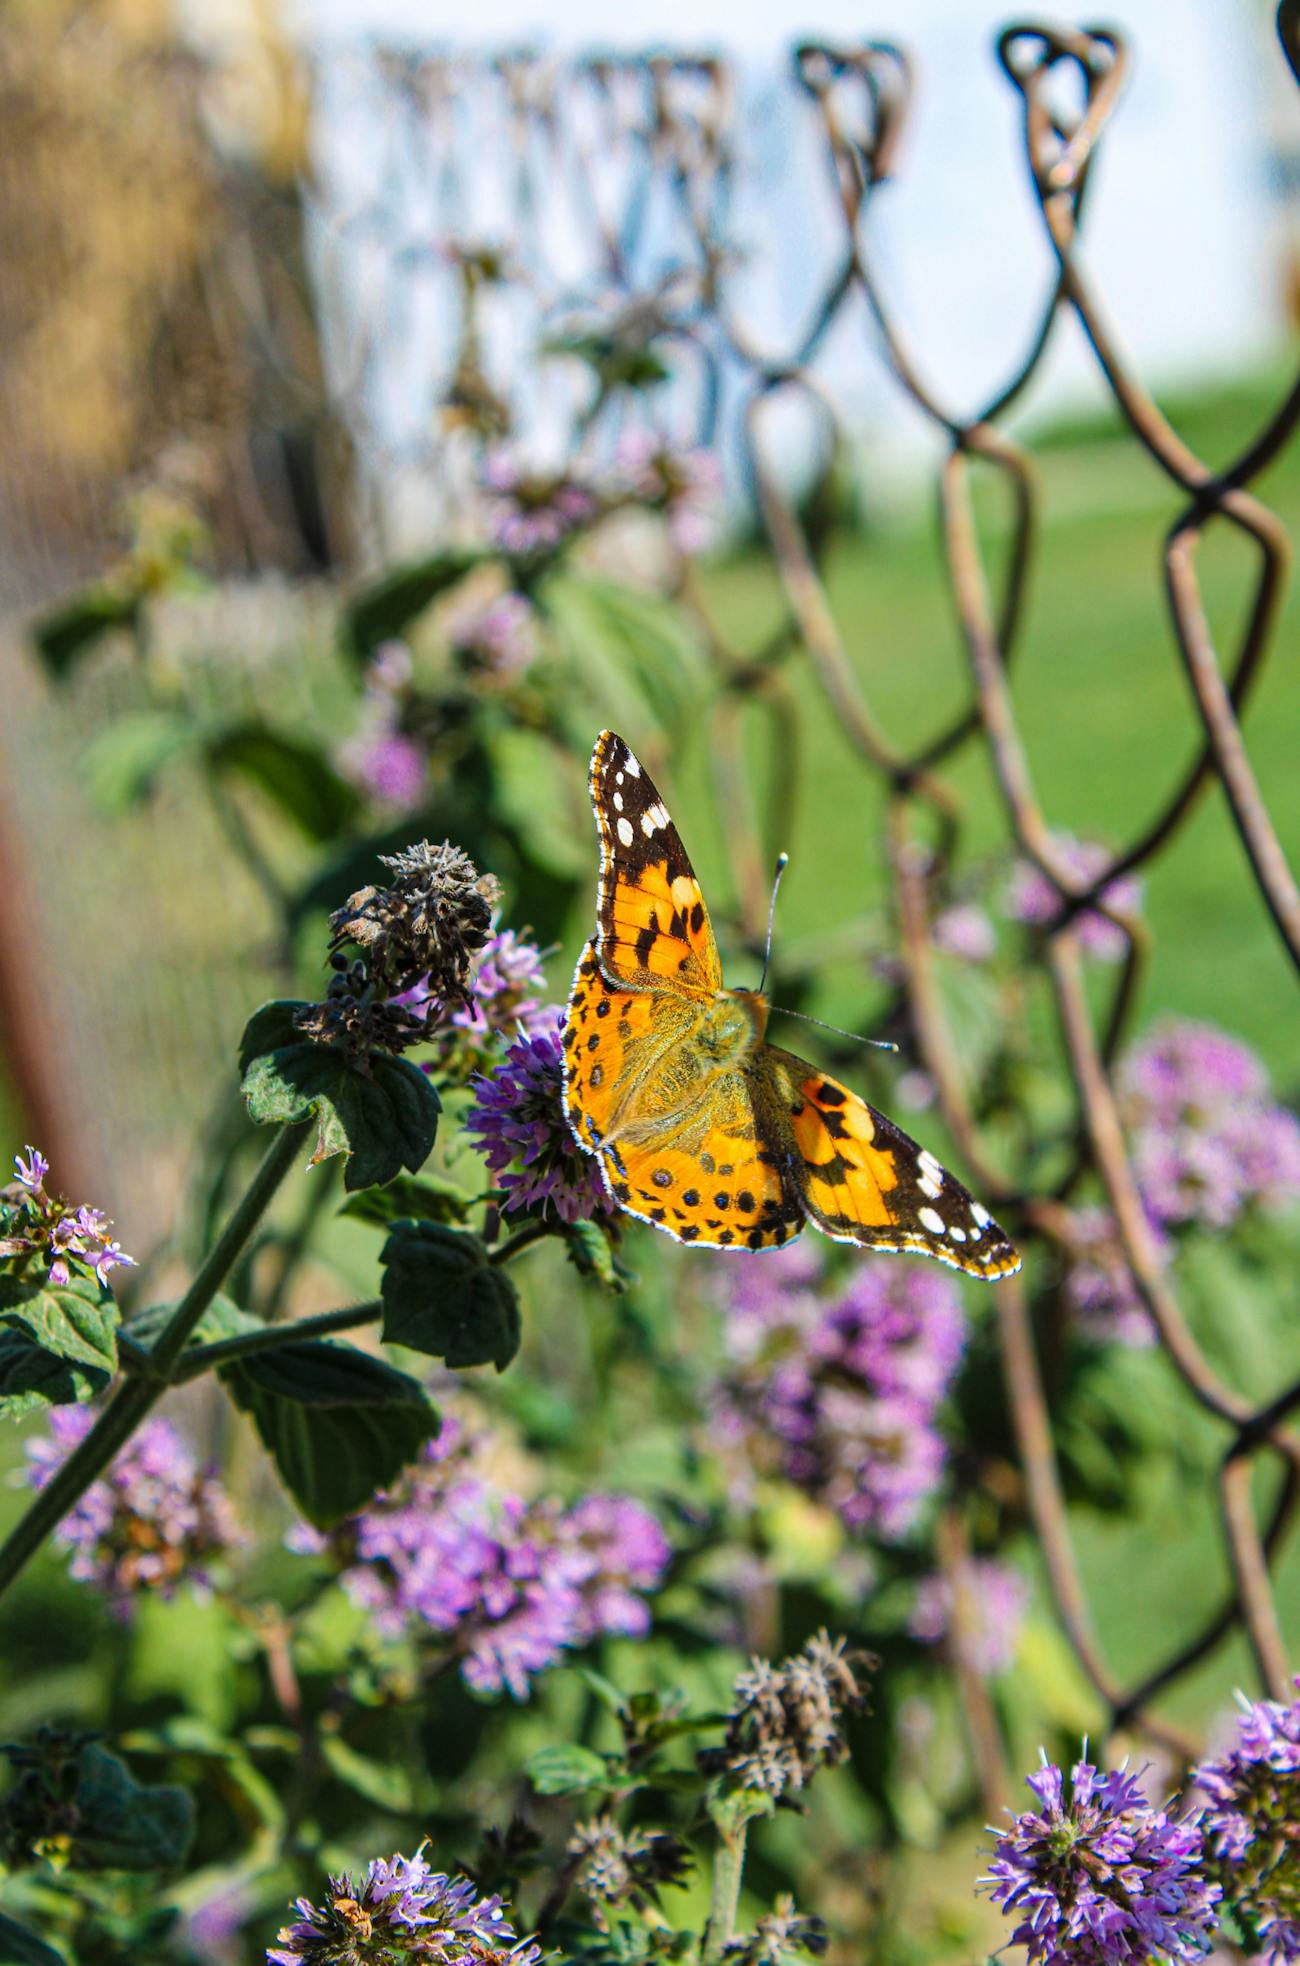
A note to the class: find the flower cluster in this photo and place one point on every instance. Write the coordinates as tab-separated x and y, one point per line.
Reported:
510	1584
685	485
519	1123
1252	1825
624	1867
1032	897
44	1229
493	641
993	1598
1208	1140
401	1909
840	1395
152	1522
964	930
534	511
385	761
1099	1877
780	1936
1099	1286
502	1003
787	1721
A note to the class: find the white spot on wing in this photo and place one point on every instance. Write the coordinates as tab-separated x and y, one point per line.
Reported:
930	1219
631	766
618	802
981	1214
928	1185
625	831
958	1235
618	778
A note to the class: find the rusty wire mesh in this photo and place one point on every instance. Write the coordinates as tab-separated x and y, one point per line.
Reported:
672	123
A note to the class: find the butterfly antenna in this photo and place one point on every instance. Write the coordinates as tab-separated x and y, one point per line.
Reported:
878	1044
782	862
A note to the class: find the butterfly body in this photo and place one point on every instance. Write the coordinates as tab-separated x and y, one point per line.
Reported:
700	1126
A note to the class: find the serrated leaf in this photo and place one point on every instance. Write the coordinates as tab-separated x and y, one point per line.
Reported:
70	631
58	1342
380	1111
386	1784
427	1199
21	1947
566	1770
122	765
123	1824
297	777
390	604
338	1424
441	1295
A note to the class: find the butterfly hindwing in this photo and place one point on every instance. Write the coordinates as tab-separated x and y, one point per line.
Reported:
654	930
863	1180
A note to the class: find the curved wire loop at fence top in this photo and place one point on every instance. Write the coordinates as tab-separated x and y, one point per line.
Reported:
673	122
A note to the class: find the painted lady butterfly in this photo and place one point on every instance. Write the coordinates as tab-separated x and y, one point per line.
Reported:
700	1127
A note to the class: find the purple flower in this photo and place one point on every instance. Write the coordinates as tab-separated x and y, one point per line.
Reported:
496	640
534	512
1101	1878
401	1909
501	993
685	485
38	1227
152	1522
1099	1286
1208	1142
840	1397
1032	897
965	931
508	1584
519	1122
1252	1825
994	1600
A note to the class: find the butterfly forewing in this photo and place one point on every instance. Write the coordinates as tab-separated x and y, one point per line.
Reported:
654	926
864	1180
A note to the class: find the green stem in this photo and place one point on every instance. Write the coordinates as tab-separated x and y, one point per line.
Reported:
202	1358
724	1897
532	1232
133	1400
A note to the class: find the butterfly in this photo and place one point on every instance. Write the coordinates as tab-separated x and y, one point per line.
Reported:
701	1127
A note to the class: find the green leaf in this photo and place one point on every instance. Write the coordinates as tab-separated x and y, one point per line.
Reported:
386	1784
122	765
378	1110
297	777
338	1424
615	634
391	604
58	1343
564	1770
70	631
122	1824
427	1199
20	1947
223	1318
442	1296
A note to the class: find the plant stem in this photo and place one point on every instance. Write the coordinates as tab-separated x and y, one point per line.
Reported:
133	1400
247	1343
724	1897
531	1232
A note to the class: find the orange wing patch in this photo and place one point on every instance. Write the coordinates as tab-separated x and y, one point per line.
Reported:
654	929
864	1180
717	1191
602	1023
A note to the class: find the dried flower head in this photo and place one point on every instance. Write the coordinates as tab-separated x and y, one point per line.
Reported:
787	1720
400	1910
355	1019
1102	1878
152	1522
618	1867
782	1936
429	923
45	1230
1252	1825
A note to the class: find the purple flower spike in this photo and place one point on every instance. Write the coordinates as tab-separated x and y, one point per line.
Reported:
401	1909
151	1523
1251	1825
1099	1877
31	1172
40	1229
518	1120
